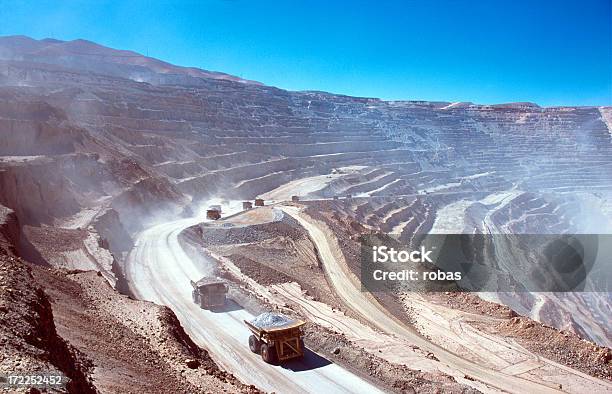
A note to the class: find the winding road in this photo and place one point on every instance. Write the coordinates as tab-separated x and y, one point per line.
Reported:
159	270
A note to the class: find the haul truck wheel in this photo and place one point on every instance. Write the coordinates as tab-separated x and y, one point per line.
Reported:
268	353
254	344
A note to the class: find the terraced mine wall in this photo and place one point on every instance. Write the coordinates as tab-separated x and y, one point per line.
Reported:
113	147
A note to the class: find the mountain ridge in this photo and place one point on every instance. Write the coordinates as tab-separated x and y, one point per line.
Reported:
28	49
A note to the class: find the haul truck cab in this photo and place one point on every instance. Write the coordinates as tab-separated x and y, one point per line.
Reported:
276	337
209	293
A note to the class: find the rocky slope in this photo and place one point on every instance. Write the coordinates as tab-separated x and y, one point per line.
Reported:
74	324
28	334
30	341
147	339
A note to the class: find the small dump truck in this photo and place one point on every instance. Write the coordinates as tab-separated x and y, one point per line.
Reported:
209	293
246	205
259	202
276	337
295	198
213	214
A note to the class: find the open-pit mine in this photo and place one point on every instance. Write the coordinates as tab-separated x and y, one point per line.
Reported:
125	180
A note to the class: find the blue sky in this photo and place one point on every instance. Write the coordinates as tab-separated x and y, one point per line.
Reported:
549	52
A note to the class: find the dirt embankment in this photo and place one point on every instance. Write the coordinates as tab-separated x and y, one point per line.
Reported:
9	230
134	346
28	335
399	377
470	302
51	242
564	347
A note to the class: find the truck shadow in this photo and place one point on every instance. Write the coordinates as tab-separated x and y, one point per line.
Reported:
310	361
229	306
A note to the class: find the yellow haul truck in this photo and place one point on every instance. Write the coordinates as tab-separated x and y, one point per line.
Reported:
276	337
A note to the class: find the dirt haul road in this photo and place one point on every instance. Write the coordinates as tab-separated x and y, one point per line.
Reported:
158	270
347	288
